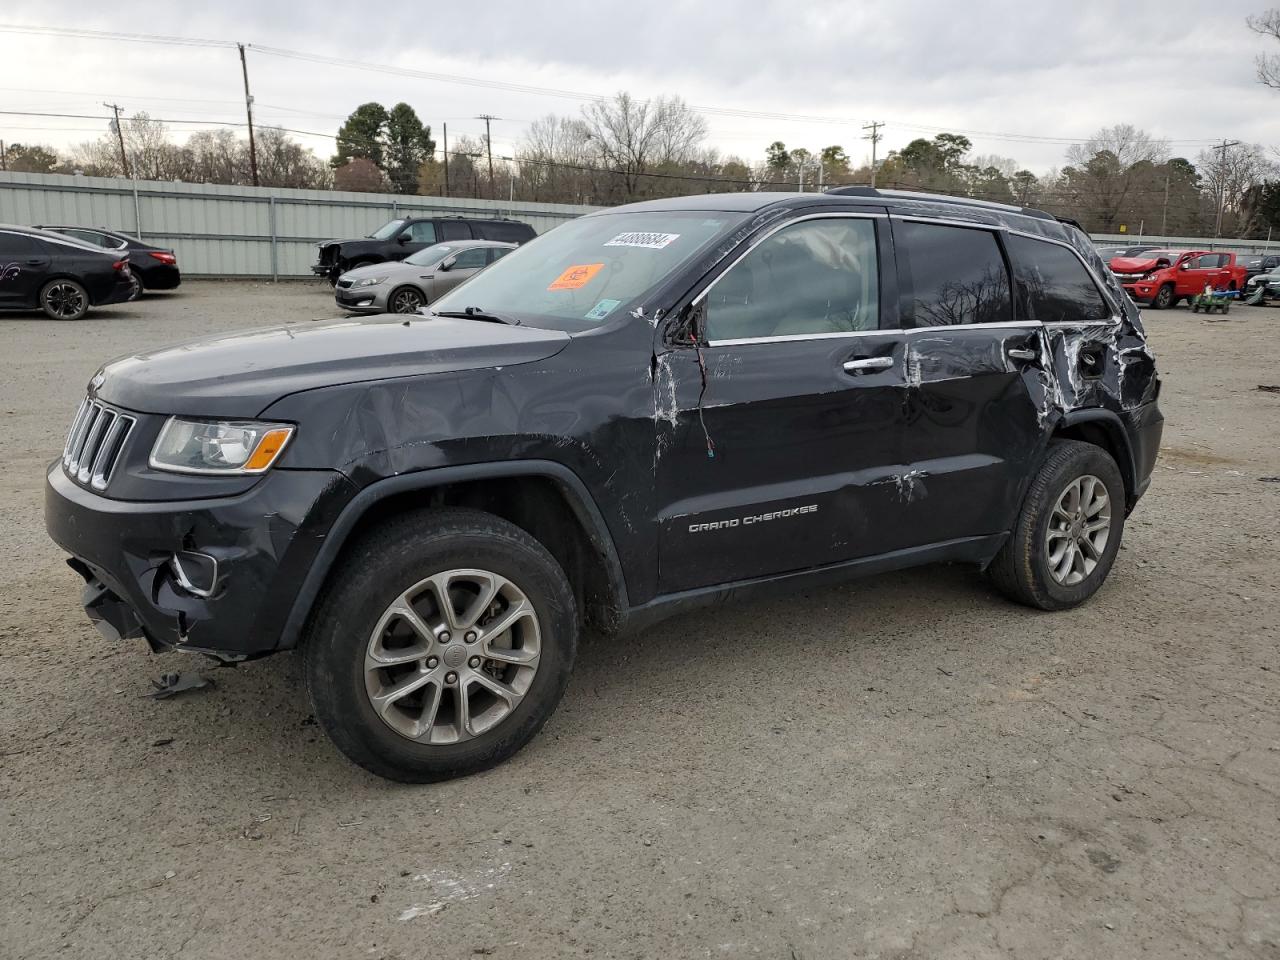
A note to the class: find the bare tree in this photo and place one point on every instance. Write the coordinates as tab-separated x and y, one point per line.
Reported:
1231	175
1102	172
632	137
1268	25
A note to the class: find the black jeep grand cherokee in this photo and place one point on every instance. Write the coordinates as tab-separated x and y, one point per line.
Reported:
652	408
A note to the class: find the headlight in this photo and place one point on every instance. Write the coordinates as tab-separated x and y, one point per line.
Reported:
219	446
369	281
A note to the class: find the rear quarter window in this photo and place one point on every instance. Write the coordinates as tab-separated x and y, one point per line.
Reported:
1052	284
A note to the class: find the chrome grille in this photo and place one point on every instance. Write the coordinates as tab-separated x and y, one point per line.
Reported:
94	442
345	284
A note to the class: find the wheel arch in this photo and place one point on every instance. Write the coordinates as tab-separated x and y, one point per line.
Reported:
546	499
1103	428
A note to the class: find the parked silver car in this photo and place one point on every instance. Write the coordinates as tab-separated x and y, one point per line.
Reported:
417	280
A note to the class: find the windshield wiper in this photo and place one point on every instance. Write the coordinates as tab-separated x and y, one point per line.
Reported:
476	313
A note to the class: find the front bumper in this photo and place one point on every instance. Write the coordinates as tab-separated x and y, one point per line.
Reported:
362	299
1141	292
264	541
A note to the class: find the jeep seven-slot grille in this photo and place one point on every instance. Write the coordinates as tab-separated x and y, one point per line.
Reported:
97	436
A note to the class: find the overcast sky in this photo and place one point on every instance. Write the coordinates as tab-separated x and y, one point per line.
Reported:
1021	79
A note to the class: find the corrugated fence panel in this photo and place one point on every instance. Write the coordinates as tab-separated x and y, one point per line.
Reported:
221	230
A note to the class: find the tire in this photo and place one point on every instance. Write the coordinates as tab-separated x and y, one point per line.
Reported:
356	623
135	290
1164	298
405	300
1023	569
64	299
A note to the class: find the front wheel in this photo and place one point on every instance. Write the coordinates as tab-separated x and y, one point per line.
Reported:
405	300
1164	297
443	645
64	299
1068	532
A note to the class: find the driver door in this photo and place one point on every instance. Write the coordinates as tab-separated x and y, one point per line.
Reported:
460	267
779	434
416	236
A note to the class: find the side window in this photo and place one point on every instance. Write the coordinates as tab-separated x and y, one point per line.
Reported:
423	231
1052	284
815	277
497	253
86	236
454	230
471	259
13	245
957	275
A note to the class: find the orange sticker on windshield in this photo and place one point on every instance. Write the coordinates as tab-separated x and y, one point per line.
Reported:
576	276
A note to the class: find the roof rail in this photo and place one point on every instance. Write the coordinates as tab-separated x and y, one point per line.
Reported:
940	198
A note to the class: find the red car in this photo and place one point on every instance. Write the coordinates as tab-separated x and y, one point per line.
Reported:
1163	277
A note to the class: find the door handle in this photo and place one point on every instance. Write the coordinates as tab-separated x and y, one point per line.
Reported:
868	364
1021	353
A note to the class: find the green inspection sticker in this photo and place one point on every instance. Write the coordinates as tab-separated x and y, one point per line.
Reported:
602	309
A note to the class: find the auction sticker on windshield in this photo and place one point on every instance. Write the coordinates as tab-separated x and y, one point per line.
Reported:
576	277
650	241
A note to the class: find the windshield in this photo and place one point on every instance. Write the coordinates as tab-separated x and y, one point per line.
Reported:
587	271
387	230
427	255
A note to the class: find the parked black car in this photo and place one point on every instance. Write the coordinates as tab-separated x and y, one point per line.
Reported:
61	276
398	238
156	268
1255	266
668	405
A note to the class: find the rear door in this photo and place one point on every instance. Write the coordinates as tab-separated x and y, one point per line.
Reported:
973	385
24	264
778	432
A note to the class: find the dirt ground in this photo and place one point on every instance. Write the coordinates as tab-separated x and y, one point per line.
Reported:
905	767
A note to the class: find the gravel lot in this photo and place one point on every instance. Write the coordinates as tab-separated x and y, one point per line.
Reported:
905	767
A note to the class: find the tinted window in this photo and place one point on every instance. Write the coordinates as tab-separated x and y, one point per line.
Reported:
502	231
424	231
471	259
91	237
1052	284
957	274
820	276
16	245
497	253
454	230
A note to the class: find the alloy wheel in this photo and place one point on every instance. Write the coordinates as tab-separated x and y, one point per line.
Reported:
406	301
1079	529
452	656
65	300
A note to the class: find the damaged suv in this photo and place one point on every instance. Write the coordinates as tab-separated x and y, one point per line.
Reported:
653	408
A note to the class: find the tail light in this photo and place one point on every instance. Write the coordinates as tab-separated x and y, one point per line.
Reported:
121	265
163	257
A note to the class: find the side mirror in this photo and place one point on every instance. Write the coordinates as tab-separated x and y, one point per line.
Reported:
448	262
403	238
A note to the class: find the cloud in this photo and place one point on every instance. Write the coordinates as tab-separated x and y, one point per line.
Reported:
1038	71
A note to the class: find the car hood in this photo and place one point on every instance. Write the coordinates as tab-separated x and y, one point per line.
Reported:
241	374
1138	264
390	268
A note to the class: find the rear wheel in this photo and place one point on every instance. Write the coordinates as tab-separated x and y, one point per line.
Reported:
1068	532
1163	299
405	300
443	645
64	299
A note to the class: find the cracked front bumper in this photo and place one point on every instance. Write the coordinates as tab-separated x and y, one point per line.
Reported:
264	540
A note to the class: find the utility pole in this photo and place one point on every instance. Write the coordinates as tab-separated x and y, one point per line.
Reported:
4	161
874	137
248	109
488	146
446	159
1164	213
1222	184
124	159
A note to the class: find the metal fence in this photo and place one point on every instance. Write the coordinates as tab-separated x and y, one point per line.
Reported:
223	231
